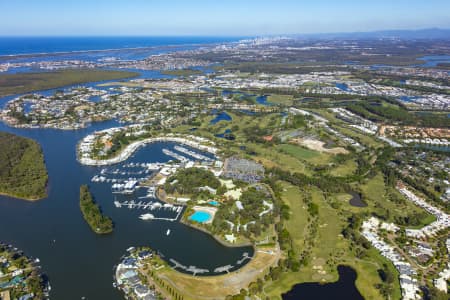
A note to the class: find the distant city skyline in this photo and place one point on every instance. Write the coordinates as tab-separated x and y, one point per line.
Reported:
214	18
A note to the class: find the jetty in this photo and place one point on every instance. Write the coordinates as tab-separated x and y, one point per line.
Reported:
191	269
86	145
175	155
152	206
222	269
192	153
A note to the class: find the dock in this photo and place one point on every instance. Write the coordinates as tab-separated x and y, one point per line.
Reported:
152	206
191	269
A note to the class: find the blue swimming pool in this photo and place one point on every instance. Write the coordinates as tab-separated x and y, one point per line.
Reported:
200	217
214	203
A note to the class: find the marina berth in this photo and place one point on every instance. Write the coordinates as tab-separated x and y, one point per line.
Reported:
85	148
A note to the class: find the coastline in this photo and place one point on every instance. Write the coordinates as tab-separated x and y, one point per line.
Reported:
57	53
58	79
30	199
217	238
129	150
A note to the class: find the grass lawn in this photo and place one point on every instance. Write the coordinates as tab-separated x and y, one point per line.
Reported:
272	158
311	156
280	99
330	250
365	140
299	214
345	169
376	194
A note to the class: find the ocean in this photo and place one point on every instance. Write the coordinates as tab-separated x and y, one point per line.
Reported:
37	45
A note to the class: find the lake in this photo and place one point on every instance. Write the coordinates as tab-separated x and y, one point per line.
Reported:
222	116
344	288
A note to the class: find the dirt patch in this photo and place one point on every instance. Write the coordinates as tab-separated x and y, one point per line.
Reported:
317	145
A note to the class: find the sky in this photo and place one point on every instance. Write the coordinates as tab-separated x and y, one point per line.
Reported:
215	17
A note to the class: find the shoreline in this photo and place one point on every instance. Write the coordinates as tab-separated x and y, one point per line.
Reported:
217	238
32	54
33	199
127	75
129	150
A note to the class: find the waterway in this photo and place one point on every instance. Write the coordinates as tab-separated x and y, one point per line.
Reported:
344	288
434	60
78	262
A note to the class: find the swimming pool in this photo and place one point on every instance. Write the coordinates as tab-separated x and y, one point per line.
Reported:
200	217
214	203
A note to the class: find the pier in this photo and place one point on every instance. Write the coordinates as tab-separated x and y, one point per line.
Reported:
222	269
175	155
245	256
191	269
192	153
151	206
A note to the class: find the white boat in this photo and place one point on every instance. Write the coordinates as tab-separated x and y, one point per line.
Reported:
168	232
146	217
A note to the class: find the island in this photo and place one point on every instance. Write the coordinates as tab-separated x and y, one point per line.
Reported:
22	168
27	82
99	223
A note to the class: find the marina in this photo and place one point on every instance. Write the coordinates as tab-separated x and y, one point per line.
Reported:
61	212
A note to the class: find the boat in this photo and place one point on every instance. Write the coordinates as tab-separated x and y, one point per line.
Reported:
151	192
168	232
146	217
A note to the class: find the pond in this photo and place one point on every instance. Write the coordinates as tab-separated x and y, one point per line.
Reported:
263	100
357	200
227	134
343	87
344	288
222	116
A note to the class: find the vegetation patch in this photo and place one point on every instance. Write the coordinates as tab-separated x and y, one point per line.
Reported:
28	82
99	223
22	169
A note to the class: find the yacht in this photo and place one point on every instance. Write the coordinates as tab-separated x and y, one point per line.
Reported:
146	217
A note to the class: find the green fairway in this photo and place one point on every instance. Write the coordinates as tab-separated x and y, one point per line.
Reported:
329	250
311	156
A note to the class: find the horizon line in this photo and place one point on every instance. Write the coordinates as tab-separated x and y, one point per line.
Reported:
218	35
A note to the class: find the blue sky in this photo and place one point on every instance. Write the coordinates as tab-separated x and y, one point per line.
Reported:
216	17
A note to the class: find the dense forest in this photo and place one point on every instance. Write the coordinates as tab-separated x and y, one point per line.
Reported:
187	181
22	169
92	214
